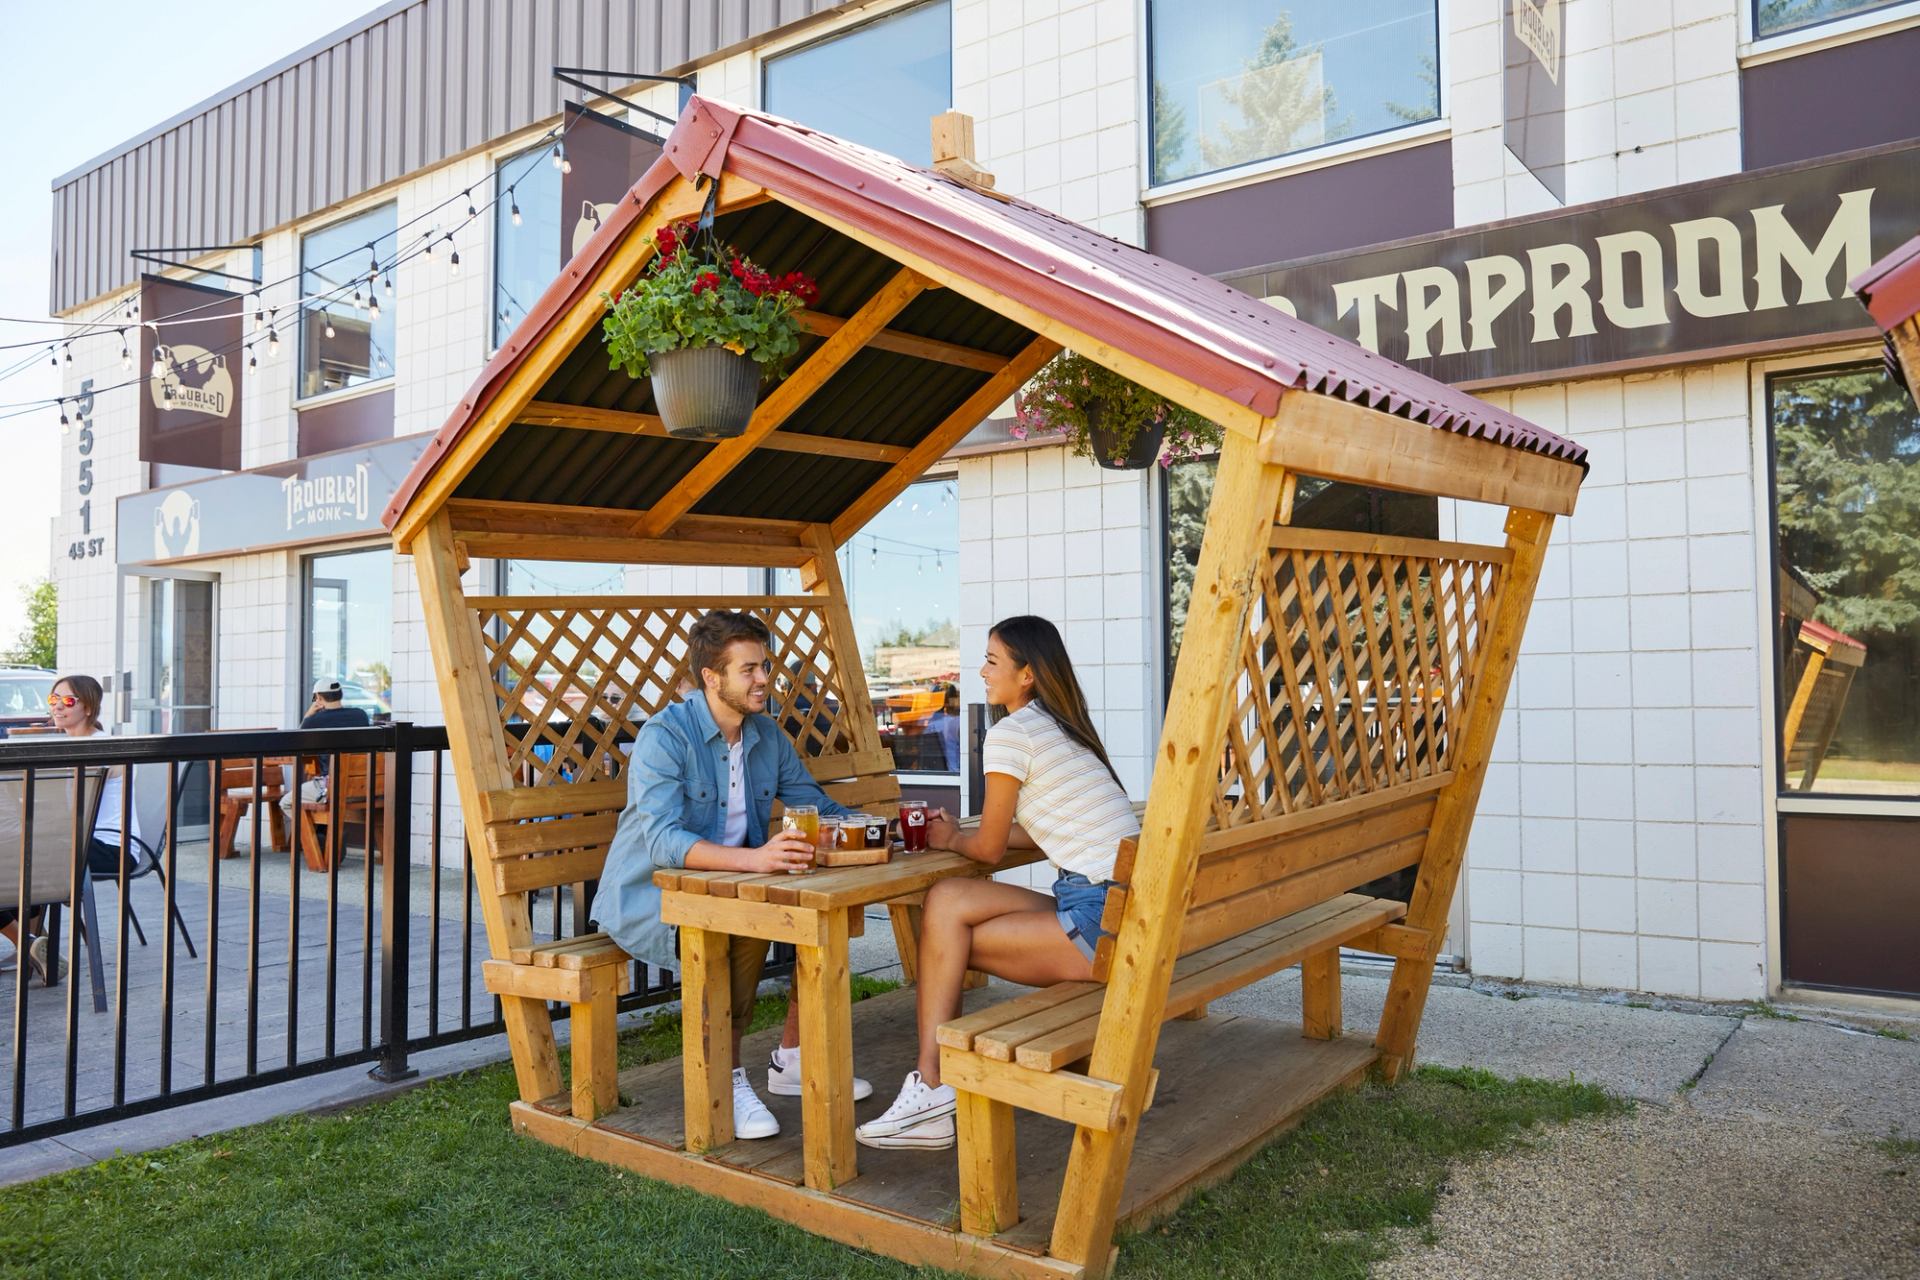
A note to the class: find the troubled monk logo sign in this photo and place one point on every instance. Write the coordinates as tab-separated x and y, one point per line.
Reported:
1751	262
327	499
190	415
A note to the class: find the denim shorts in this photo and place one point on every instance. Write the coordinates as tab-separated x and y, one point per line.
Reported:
1079	904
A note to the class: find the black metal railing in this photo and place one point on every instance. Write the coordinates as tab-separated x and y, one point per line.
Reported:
323	873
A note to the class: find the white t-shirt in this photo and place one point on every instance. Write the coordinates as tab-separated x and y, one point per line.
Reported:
106	825
734	834
1068	802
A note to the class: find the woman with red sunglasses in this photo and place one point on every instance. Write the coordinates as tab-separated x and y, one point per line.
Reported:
75	709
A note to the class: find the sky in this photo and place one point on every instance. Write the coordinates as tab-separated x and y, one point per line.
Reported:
79	81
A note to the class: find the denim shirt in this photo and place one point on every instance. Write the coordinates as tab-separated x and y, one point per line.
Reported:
677	795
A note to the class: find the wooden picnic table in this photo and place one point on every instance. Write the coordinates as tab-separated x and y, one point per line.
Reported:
816	912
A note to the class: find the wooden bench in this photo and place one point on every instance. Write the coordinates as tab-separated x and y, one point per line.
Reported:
237	794
1265	897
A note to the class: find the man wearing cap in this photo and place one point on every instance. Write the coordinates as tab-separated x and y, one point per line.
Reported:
326	711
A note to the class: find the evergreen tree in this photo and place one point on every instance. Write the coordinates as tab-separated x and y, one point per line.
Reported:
1283	103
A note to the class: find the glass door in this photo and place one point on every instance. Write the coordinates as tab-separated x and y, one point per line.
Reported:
173	688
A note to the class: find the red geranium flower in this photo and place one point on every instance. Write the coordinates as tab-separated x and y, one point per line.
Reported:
706	280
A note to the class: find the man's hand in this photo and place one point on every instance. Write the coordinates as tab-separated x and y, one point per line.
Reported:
786	851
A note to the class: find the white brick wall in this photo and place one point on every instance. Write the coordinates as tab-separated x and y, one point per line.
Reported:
1618	842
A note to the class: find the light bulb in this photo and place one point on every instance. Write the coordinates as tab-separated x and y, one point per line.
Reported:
357	304
53	358
516	210
126	357
453	263
373	306
273	342
253	361
471	211
559	157
64	424
159	371
259	319
329	328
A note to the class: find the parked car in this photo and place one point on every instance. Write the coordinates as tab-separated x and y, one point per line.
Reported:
23	697
355	694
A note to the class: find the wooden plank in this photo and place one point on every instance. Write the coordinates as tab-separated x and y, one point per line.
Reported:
1065	1095
962	1031
706	1004
1239	870
596	1036
1527	536
522	838
622	549
835	1217
531	982
480	766
1208	403
516	804
912	873
907	344
1340	440
1248	489
518	875
775	923
1210	974
905	919
821	576
587	951
784	400
863	765
1320	995
549	413
1398	940
1235	915
679	199
487	515
972	411
820	985
989	1167
1296	538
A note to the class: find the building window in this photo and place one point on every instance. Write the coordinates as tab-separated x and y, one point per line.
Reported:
1317	504
561	578
526	236
1846	487
1237	81
879	84
345	340
903	587
1778	17
348	616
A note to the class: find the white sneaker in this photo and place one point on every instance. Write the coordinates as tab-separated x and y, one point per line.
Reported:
919	1117
783	1076
751	1119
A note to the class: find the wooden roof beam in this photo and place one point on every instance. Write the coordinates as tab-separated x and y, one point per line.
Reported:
551	413
1012	375
1337	439
907	344
827	359
482	515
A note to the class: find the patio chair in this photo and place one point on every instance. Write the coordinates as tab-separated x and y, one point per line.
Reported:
54	851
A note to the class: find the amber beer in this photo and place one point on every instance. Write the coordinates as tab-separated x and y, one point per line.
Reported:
804	818
913	825
853	832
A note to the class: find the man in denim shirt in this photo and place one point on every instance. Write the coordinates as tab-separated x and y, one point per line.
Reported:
700	790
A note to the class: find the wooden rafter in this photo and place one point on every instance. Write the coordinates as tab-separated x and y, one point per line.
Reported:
907	344
828	359
551	413
622	266
975	407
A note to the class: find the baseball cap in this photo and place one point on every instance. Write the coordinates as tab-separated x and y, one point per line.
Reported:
328	689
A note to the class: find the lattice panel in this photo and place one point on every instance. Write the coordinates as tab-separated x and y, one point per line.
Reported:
574	678
1359	658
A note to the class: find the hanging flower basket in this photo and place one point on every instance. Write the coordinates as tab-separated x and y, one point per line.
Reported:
1115	421
709	327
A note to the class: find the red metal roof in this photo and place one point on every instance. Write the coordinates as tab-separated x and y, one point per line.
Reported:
1173	317
1821	631
1890	288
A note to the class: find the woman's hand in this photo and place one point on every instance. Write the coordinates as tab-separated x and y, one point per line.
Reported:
942	831
786	851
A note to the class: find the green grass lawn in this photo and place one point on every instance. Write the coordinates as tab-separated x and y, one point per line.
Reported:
432	1183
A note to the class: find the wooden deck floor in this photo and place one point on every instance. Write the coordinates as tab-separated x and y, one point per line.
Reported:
1227	1084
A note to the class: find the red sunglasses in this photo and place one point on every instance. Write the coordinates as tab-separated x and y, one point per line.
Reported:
62	700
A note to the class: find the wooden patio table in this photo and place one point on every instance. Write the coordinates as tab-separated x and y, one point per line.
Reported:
817	912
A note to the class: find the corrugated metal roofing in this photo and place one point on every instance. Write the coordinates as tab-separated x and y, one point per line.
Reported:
1890	288
403	88
1187	323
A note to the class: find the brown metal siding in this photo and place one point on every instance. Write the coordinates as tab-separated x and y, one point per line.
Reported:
412	88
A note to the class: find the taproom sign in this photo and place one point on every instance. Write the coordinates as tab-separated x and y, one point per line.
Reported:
1756	261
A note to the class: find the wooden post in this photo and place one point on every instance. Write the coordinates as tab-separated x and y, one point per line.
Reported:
706	1037
1246	495
479	766
821	577
826	1055
596	1067
989	1170
1527	534
1320	995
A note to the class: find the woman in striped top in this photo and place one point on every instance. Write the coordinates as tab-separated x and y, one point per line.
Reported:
1049	786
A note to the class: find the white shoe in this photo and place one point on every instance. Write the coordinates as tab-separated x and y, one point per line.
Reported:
783	1076
919	1117
751	1119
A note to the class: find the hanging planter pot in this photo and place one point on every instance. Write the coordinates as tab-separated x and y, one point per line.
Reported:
1104	443
705	393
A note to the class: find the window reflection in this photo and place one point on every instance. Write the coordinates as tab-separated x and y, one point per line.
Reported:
349	626
346	327
879	84
1235	81
1846	465
526	235
1776	17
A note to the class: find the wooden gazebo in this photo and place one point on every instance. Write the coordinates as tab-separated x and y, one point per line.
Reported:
1331	715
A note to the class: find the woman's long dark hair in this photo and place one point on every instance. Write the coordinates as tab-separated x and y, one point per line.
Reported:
1035	643
89	693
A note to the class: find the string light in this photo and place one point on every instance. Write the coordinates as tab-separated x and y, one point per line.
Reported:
126	357
329	318
453	263
253	361
389	284
515	205
64	424
273	342
53	357
471	211
560	160
159	370
373	306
